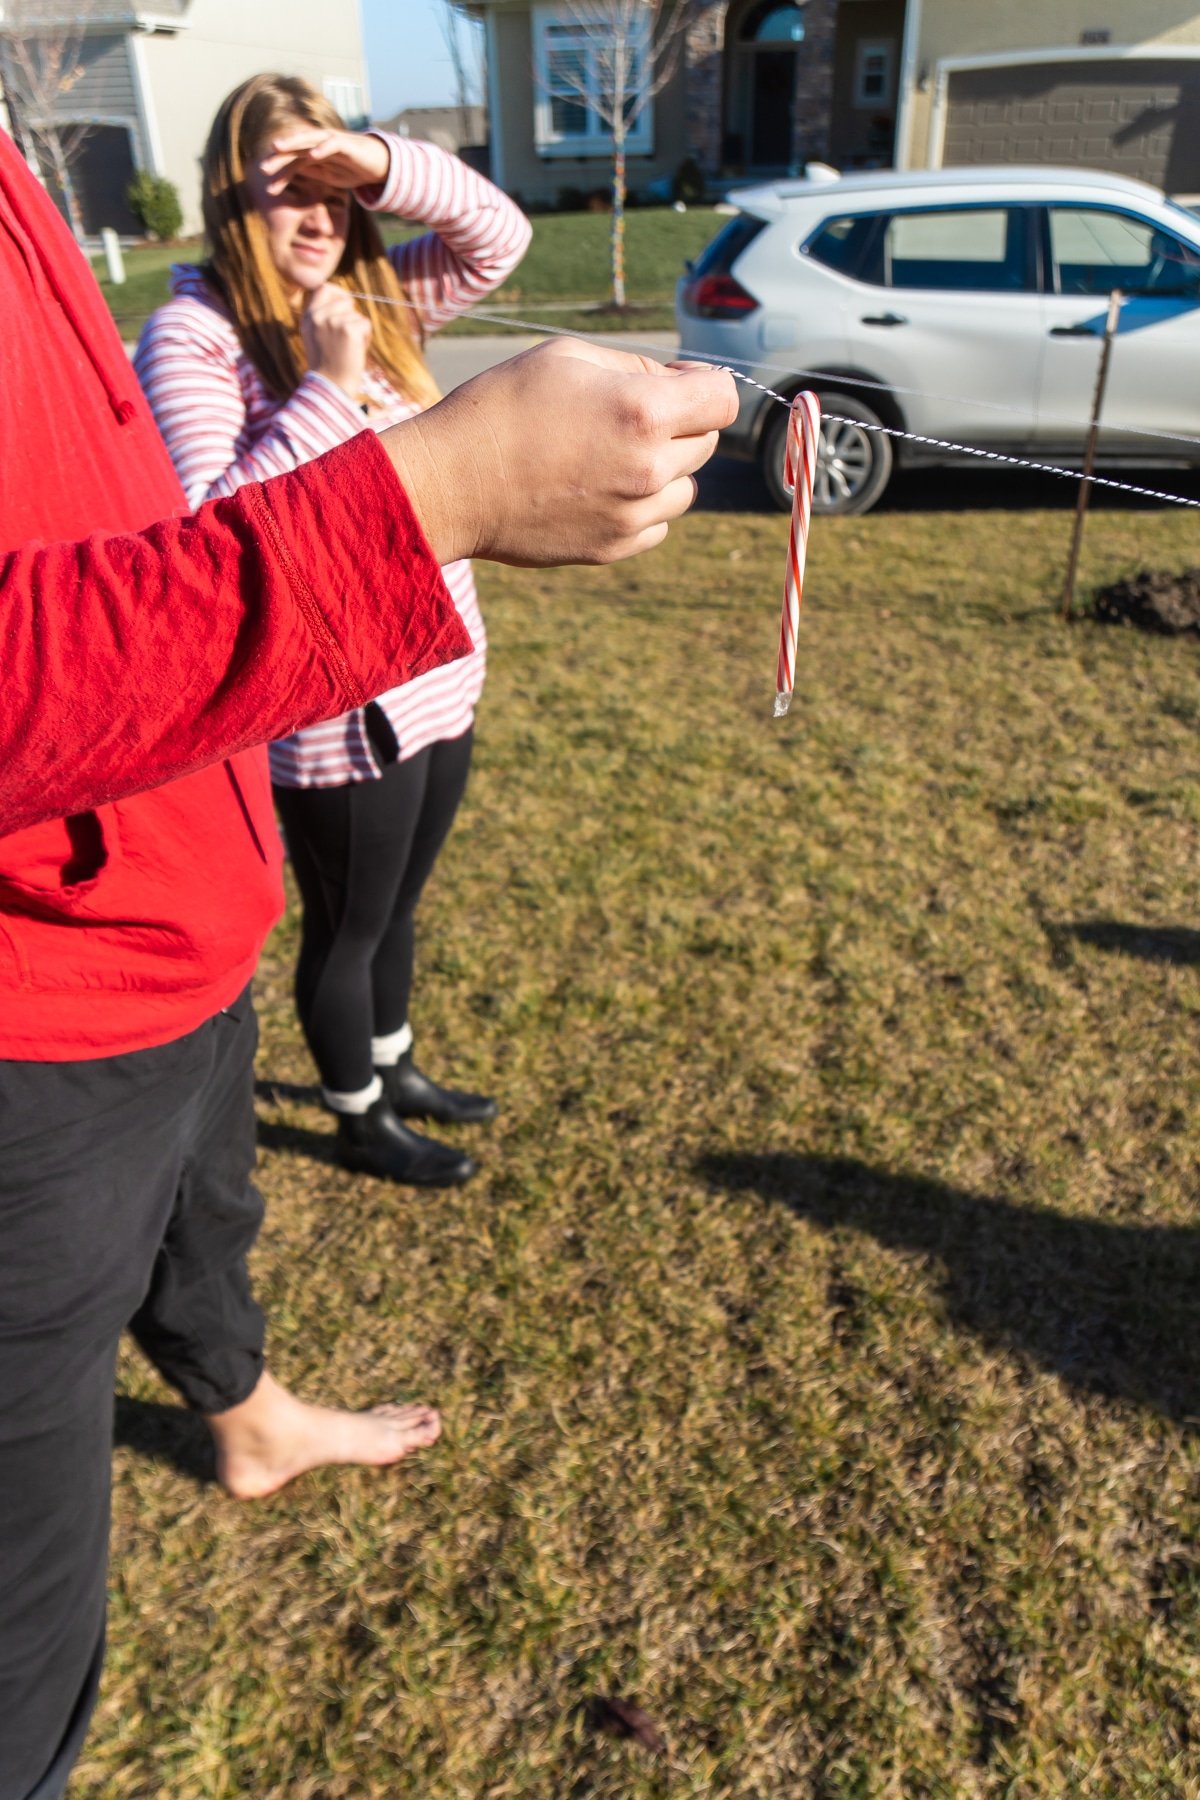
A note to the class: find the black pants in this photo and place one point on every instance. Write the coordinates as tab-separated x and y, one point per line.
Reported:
362	854
125	1199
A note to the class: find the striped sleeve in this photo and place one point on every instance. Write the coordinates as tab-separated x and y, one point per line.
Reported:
187	363
477	235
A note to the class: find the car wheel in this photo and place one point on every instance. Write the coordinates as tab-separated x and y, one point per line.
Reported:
854	464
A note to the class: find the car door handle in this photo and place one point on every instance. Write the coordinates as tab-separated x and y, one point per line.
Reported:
883	319
1074	331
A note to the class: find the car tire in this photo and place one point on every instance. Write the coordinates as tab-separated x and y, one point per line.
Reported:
855	463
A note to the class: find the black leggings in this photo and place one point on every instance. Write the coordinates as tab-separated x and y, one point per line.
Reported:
362	853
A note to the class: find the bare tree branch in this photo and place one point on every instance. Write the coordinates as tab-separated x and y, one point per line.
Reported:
41	45
627	38
451	20
630	50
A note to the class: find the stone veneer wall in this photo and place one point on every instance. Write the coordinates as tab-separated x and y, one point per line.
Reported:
814	83
705	82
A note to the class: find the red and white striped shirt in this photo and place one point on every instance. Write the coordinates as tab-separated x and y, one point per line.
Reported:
223	427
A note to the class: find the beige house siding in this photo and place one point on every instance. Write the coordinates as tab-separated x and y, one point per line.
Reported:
852	128
969	28
186	74
970	80
449	127
513	91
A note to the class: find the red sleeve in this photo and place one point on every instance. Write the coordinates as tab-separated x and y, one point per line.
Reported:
134	659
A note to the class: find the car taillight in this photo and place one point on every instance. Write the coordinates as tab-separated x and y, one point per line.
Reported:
718	297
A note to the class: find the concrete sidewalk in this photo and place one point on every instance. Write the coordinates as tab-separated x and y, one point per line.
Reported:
454	360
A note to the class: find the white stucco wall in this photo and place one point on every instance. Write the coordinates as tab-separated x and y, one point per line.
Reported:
188	73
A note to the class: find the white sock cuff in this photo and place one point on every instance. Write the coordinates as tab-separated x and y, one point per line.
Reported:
359	1102
386	1051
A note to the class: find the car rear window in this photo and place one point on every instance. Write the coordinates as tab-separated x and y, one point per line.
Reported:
718	257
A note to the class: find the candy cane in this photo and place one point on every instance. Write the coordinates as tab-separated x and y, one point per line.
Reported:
799	473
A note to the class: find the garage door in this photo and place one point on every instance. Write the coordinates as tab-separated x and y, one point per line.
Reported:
1136	118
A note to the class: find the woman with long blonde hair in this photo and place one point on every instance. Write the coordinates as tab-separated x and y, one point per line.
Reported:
299	331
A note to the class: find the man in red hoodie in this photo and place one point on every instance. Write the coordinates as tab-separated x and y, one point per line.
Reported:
146	655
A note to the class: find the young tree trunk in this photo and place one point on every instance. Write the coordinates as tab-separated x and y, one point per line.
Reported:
62	174
618	219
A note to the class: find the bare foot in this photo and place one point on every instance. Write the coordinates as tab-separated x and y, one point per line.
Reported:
272	1437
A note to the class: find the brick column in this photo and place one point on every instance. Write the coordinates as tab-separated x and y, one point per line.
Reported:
704	57
814	84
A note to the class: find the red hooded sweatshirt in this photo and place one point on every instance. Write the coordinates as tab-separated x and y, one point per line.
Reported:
144	654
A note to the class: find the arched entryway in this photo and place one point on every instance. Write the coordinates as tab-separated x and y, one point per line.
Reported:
763	40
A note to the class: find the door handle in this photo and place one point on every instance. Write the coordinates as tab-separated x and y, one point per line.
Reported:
1073	331
883	319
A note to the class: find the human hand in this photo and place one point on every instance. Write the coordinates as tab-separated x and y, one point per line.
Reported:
336	338
338	159
568	453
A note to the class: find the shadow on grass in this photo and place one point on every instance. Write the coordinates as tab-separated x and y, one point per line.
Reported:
165	1434
1177	944
1112	1309
275	1092
296	1140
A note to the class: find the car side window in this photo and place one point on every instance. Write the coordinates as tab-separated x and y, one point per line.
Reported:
844	244
1093	251
972	250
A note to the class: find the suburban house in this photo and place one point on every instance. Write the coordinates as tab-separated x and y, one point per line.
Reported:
765	86
148	80
453	128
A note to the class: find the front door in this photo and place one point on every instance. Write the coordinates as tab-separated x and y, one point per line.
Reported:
772	100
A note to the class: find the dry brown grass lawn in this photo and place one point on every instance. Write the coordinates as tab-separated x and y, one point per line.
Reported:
818	1349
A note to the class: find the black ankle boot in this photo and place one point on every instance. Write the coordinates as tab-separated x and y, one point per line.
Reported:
376	1143
412	1095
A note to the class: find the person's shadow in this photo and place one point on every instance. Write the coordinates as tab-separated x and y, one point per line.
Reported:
1110	1308
165	1434
1178	944
294	1140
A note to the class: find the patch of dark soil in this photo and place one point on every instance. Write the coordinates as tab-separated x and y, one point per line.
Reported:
622	1719
1153	600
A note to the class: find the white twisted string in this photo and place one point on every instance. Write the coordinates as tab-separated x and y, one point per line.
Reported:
877	387
1016	462
909	437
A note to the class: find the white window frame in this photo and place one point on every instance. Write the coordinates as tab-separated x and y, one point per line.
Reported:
597	140
336	89
865	49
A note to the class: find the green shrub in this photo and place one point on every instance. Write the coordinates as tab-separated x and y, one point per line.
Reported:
154	203
689	182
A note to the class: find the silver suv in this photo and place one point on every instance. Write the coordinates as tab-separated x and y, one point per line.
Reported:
962	304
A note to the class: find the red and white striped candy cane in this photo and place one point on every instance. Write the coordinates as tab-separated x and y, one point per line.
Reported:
799	473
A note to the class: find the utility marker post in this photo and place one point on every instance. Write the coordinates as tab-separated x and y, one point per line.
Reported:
114	261
1089	455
